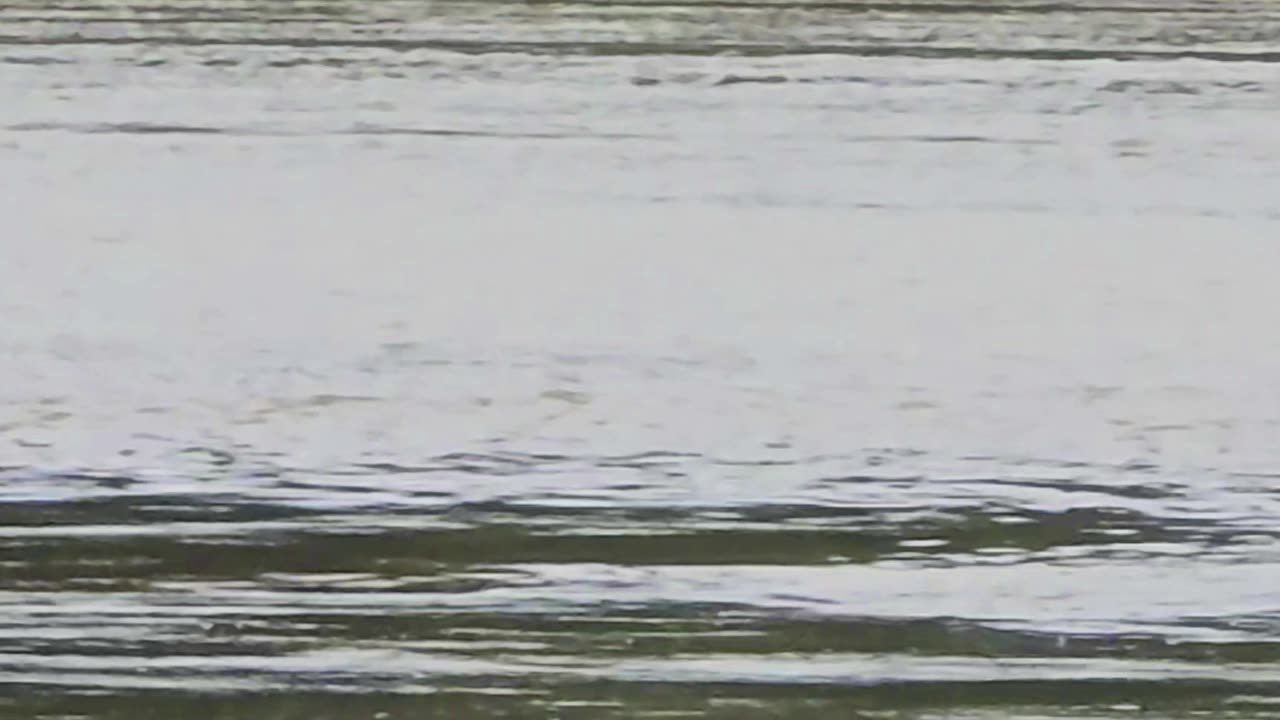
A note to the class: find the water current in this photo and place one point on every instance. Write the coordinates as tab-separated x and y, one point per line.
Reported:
639	359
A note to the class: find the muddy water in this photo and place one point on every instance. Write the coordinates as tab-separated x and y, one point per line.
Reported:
639	359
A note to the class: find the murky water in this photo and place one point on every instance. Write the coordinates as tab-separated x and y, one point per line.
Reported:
653	359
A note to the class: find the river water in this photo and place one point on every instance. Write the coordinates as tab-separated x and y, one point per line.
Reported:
639	358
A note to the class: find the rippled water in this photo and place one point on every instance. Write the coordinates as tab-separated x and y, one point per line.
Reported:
688	358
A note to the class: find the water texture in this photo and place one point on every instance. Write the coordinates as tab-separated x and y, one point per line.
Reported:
645	359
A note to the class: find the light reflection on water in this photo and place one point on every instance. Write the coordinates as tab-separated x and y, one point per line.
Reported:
638	360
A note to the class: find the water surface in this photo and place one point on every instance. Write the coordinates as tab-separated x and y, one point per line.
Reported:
639	359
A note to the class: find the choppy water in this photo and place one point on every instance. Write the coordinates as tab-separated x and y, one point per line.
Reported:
591	359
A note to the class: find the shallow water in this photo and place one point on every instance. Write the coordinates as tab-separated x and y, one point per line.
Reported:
639	359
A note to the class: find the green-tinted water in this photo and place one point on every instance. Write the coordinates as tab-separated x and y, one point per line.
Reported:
639	359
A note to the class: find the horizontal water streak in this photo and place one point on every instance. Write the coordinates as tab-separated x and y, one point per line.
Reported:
593	359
